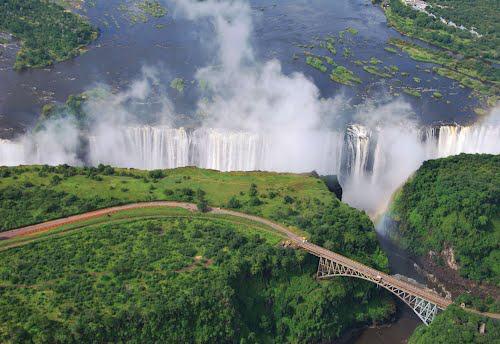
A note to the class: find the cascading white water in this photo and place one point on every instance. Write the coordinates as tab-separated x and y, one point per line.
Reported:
358	152
12	153
357	149
474	139
143	147
226	150
372	162
221	149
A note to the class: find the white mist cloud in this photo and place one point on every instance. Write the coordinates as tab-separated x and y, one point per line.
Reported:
56	144
256	117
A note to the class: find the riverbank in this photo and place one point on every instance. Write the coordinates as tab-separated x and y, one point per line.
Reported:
448	280
470	71
47	31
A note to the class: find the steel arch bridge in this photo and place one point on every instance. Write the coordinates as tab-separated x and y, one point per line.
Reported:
425	308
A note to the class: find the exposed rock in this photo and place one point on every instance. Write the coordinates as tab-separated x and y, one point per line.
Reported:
482	328
449	282
332	183
449	256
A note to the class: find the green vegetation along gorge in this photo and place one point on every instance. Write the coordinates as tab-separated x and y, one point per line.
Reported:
451	206
454	325
174	276
47	31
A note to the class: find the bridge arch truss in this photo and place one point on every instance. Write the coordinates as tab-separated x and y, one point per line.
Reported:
425	309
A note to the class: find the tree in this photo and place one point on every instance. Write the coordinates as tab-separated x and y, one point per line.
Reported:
234	203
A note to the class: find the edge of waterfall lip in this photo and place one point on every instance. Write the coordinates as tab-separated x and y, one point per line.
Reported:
191	127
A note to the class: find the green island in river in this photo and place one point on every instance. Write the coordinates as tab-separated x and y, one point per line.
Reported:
204	274
468	57
48	32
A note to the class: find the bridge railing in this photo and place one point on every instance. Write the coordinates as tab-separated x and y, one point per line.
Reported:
427	294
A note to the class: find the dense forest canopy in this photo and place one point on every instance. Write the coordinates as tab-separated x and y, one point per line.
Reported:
482	15
454	203
464	55
455	325
181	279
478	14
48	32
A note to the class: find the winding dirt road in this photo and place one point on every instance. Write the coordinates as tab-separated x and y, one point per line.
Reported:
297	240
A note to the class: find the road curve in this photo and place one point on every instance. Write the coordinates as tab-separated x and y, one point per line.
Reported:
297	240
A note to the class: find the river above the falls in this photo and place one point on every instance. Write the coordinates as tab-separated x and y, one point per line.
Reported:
173	45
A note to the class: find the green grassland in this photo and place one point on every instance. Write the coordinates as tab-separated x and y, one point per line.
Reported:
36	194
47	31
84	189
170	275
271	235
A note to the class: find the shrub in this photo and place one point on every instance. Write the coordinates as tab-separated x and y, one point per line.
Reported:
202	205
156	174
55	180
234	203
253	190
255	201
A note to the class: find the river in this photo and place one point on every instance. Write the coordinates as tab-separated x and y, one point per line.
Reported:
174	46
123	49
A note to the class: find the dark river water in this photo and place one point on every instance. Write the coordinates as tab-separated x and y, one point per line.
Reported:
177	50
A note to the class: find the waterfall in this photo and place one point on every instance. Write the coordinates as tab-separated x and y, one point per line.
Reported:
220	149
143	147
371	162
358	151
12	153
474	139
226	150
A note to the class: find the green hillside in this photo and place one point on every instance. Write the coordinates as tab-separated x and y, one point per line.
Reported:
169	275
454	203
455	325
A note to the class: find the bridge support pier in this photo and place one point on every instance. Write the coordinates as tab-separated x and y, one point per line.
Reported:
425	310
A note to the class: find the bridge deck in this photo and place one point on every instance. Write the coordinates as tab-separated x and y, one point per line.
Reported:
316	250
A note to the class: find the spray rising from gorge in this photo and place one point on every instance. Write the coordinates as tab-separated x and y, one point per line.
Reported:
253	117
